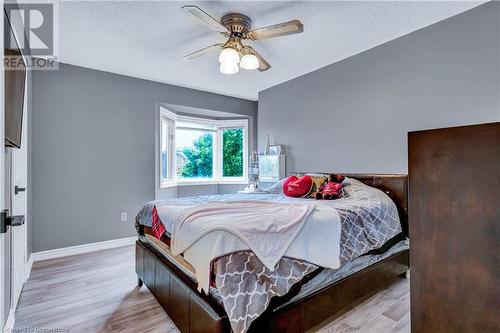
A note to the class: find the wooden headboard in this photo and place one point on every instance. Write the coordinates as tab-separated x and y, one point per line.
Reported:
394	185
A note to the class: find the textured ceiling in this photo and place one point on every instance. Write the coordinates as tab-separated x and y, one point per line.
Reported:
146	39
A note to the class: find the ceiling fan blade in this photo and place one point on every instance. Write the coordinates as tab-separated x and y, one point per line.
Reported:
263	64
199	53
205	18
277	30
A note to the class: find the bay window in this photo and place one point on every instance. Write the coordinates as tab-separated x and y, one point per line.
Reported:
202	151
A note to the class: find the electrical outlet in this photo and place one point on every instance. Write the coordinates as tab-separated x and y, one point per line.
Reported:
123	217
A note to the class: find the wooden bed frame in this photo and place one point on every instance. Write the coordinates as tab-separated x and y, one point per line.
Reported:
195	312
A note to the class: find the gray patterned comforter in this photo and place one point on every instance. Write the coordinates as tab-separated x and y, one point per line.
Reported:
245	286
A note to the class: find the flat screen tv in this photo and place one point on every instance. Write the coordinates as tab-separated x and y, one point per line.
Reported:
14	100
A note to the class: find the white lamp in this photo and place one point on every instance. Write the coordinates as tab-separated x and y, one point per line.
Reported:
249	61
229	55
229	68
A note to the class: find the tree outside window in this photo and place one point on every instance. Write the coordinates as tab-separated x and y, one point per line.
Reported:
232	152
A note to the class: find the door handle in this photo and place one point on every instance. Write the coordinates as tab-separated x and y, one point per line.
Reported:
6	220
16	220
18	189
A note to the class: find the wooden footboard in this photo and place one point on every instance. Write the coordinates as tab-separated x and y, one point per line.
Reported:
195	313
185	306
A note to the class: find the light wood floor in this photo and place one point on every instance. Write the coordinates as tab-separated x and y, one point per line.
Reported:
97	292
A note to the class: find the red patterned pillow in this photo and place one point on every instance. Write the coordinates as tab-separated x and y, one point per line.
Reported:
297	187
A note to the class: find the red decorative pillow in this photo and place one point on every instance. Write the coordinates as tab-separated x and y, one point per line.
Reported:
297	187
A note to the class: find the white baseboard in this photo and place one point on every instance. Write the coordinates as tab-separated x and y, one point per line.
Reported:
9	324
27	270
79	249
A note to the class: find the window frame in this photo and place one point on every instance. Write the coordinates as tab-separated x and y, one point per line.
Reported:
220	125
170	148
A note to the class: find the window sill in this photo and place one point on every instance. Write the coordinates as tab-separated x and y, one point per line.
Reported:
203	182
167	185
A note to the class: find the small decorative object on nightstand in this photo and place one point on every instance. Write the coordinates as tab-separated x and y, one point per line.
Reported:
277	150
267	149
249	189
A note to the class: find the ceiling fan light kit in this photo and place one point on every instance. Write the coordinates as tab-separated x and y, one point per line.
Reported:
236	27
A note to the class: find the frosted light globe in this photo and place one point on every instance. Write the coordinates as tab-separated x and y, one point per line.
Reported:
229	55
229	68
249	61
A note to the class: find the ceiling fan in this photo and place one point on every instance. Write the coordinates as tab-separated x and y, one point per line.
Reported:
236	28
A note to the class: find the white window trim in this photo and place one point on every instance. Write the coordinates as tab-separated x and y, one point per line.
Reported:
220	126
170	148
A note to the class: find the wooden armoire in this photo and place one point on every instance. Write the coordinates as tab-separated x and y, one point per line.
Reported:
454	219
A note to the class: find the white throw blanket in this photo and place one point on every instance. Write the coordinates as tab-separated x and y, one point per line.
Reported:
267	228
204	232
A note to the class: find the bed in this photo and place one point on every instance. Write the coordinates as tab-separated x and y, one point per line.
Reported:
305	299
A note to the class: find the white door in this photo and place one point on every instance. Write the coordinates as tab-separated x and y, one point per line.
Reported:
19	207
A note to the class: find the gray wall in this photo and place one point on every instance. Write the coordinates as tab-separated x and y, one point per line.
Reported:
354	115
93	151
